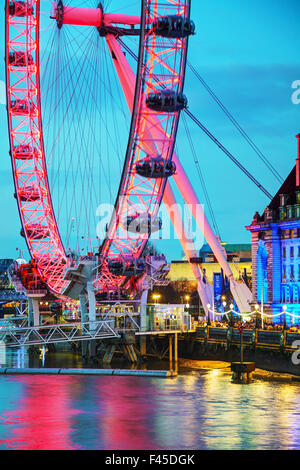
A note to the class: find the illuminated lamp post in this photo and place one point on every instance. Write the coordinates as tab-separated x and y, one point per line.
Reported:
230	318
256	315
231	306
208	315
262	300
284	317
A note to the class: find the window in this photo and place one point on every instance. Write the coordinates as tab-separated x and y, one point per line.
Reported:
292	252
284	252
284	272
261	275
292	272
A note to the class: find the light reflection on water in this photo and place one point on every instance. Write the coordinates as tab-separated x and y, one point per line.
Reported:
199	410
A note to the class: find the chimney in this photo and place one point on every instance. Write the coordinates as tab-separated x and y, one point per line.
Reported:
298	163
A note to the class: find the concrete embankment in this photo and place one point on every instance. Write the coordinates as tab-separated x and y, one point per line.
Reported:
118	372
272	360
187	365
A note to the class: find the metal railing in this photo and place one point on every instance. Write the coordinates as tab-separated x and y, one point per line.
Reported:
262	338
13	321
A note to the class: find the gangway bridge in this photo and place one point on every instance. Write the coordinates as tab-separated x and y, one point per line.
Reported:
118	324
61	333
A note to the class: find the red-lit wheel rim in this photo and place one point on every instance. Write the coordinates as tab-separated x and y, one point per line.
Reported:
22	33
161	65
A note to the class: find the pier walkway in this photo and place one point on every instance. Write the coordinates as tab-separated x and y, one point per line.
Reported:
256	338
67	332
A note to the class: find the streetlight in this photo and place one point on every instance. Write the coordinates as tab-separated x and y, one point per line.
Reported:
284	317
231	306
223	298
187	298
223	304
230	318
156	297
256	315
208	315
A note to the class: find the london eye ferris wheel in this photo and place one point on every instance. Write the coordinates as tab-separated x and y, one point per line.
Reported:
89	124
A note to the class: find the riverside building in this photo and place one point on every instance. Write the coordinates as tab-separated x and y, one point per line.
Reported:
275	245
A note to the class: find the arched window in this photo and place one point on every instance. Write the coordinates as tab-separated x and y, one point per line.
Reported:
262	278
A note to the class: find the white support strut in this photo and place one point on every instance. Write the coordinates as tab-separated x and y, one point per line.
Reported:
241	293
239	290
204	289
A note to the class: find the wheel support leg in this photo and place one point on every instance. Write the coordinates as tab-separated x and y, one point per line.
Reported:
143	322
35	312
241	293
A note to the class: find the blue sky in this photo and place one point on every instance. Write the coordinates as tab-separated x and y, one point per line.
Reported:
248	52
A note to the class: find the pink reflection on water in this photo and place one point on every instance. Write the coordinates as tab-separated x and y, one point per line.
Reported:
128	421
42	418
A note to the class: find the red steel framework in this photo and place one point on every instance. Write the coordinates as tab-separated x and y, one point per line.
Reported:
26	143
161	65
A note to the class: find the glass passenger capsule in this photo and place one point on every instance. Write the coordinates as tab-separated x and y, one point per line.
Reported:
20	9
23	107
25	152
155	167
36	231
166	101
127	266
29	193
174	26
20	59
143	223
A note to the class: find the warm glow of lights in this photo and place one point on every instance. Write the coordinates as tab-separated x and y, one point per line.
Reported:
156	296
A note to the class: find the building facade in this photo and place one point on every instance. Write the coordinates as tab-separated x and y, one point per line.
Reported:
238	257
276	249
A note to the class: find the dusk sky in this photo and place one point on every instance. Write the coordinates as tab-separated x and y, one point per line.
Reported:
248	53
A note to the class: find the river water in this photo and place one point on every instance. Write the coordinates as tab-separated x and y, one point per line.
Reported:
200	409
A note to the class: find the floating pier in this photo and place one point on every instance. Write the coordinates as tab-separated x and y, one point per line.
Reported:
119	372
